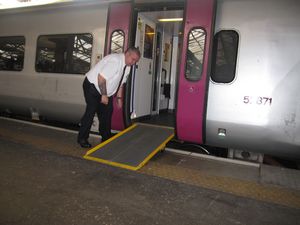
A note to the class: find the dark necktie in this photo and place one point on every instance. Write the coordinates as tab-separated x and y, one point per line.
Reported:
121	79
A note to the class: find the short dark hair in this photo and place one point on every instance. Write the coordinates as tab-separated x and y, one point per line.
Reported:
135	50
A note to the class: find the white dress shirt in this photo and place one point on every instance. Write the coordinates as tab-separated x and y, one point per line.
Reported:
111	68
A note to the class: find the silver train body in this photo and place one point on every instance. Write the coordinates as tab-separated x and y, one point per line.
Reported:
268	66
259	110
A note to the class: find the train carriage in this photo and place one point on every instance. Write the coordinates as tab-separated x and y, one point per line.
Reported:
227	70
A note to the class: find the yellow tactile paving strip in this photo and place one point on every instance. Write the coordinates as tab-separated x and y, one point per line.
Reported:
237	187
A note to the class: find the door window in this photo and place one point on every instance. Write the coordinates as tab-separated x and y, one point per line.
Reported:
195	52
117	42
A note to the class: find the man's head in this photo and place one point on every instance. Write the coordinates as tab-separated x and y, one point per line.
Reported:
132	56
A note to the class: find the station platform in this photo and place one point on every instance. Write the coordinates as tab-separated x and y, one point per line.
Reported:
44	179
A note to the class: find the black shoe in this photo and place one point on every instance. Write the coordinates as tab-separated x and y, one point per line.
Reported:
84	144
108	137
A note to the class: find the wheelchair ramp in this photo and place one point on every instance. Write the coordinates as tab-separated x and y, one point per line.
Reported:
133	147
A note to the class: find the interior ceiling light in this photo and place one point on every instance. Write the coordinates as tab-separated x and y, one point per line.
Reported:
10	4
170	20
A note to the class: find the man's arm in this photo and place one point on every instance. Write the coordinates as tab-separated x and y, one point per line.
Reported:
120	92
103	90
102	84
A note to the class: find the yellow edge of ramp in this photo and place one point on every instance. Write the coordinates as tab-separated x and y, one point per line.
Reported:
154	152
109	140
121	165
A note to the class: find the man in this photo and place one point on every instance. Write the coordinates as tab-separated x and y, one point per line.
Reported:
99	86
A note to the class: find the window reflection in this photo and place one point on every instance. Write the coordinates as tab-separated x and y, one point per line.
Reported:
148	42
117	42
224	56
195	52
67	53
12	53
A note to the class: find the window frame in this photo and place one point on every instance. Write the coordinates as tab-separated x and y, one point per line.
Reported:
67	36
24	44
110	40
227	78
203	54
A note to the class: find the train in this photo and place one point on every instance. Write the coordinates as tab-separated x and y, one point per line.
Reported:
227	70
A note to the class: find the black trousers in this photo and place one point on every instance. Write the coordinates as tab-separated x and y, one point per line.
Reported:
94	105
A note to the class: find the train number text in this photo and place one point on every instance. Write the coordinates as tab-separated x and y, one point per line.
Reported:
257	100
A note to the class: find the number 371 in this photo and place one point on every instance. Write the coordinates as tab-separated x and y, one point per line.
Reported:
257	100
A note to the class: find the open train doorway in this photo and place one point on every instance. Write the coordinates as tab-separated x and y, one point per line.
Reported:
158	36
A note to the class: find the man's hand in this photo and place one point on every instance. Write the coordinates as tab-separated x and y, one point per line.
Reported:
104	99
119	102
119	97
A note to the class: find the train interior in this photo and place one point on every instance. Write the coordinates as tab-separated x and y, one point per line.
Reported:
158	35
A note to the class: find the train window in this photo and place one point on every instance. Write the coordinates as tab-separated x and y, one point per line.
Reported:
65	53
117	42
224	56
195	52
12	53
148	42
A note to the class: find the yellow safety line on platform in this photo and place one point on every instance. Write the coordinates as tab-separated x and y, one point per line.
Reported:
267	193
121	165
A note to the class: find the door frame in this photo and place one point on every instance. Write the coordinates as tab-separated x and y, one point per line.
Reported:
192	94
126	20
119	18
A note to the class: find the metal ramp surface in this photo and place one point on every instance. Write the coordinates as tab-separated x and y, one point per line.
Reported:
133	147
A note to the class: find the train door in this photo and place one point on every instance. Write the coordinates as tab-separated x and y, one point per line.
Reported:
157	70
193	76
117	41
143	91
144	77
